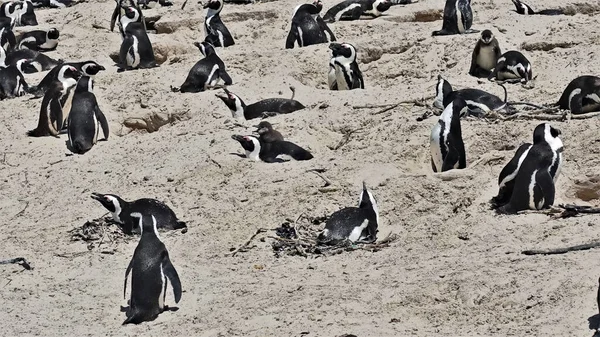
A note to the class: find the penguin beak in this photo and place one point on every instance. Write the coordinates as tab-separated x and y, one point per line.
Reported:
98	197
239	138
334	46
221	96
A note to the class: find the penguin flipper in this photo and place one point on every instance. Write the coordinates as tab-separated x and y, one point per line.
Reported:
171	274
451	159
225	76
576	103
103	122
56	113
125	282
544	180
291	38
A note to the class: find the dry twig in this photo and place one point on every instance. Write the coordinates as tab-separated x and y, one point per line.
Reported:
245	244
18	260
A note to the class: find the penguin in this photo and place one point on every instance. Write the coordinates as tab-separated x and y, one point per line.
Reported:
258	150
215	29
403	2
136	50
37	61
53	3
11	10
354	9
458	18
261	109
266	133
39	40
582	95
207	72
8	40
479	102
121	210
353	224
12	81
150	268
118	14
524	9
308	28
87	68
485	55
85	118
27	16
447	147
512	67
506	180
344	73
533	186
55	109
149	4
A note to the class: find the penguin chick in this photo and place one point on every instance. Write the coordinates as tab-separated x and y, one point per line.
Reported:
266	132
257	149
261	109
354	224
485	55
344	73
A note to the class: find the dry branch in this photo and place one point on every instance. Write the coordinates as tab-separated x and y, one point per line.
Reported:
562	250
18	260
245	244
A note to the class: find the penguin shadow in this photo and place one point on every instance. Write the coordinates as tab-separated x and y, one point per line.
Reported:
276	160
594	324
166	308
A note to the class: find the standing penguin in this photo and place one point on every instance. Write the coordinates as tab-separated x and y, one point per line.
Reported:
458	18
261	109
206	73
354	9
258	150
533	186
447	147
87	68
12	81
485	55
353	224
8	40
215	29
11	10
85	118
150	268
266	133
39	40
343	69
582	95
136	50
56	104
308	28
512	67
26	14
524	9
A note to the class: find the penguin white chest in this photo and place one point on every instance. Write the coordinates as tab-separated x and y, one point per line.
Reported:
340	76
486	58
459	19
133	55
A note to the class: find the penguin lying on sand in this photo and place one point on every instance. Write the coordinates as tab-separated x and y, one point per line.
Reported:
87	68
354	9
268	152
582	95
121	210
523	8
39	40
12	81
85	118
344	73
54	3
478	101
20	11
512	67
266	133
447	147
308	28
215	29
458	18
261	109
353	224
37	61
151	270
206	73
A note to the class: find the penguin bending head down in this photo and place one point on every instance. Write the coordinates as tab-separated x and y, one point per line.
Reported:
354	224
261	109
308	28
85	118
206	73
12	81
151	270
447	147
478	101
257	149
582	95
512	67
458	18
8	40
485	55
344	73
136	49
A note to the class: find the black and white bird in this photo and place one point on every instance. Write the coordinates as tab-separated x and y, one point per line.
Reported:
87	68
458	18
512	67
12	81
8	40
344	73
136	49
479	102
85	119
39	40
270	152
216	31
206	73
261	109
582	95
525	9
354	9
447	147
308	28
37	62
20	11
353	224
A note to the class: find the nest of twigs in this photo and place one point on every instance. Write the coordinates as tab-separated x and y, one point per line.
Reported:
102	233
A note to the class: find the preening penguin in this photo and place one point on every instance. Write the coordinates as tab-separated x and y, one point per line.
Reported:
485	55
261	109
354	9
8	40
37	61
257	150
447	147
151	270
215	29
136	49
39	40
308	28
523	8
540	165
458	18
478	101
121	210
344	73
85	118
21	12
582	95
87	68
56	104
206	73
12	81
512	67
354	224
266	133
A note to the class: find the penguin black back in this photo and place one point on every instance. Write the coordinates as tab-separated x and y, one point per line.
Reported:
458	18
216	31
270	151
479	102
264	108
581	95
207	72
525	9
12	81
85	118
305	29
38	61
87	68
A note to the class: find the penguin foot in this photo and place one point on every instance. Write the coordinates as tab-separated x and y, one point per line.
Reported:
175	89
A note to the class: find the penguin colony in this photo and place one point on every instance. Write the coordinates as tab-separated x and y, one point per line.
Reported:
69	105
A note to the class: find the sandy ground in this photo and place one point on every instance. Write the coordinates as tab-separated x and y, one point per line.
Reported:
457	267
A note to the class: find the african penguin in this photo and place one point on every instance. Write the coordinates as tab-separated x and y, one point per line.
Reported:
261	109
151	270
257	150
120	210
533	186
39	40
447	147
353	224
354	9
485	55
85	118
266	133
344	73
11	10
136	49
53	3
215	29
458	18
87	68
8	40
12	82
324	27
512	67
120	11
523	8
207	72
148	4
37	61
26	14
582	95
478	101
55	110
308	28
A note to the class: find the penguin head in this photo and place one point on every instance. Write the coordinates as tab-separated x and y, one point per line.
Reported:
263	127
130	14
546	133
382	5
318	4
91	68
205	47
111	202
344	53
53	34
442	90
367	201
233	102
215	5
68	75
251	144
487	36
147	222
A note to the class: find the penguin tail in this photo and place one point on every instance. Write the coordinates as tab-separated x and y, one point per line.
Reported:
80	148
